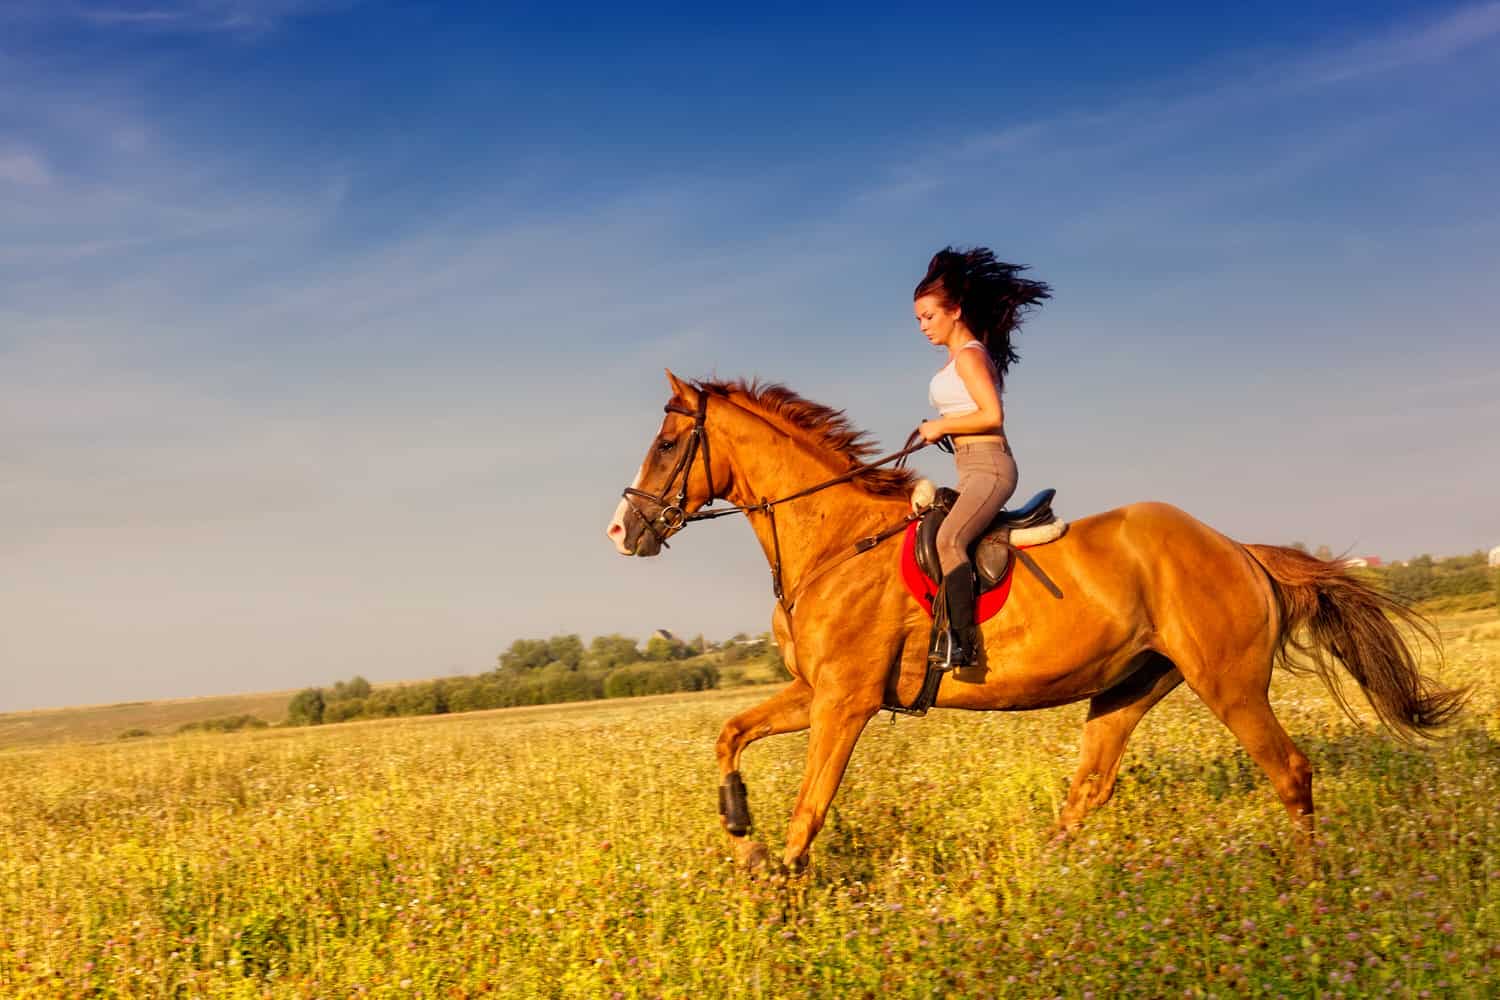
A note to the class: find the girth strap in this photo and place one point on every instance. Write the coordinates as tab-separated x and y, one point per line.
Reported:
1042	577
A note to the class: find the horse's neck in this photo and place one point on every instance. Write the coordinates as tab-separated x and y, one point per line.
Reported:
765	465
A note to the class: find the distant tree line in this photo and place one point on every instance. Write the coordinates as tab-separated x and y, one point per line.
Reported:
544	672
1427	579
224	724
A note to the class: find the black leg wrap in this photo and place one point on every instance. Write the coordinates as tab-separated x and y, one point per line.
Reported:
734	805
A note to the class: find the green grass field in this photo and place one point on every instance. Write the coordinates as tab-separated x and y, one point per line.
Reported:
574	852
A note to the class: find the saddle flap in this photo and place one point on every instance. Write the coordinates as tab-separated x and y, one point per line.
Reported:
991	558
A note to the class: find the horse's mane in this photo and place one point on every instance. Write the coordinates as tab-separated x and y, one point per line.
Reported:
821	426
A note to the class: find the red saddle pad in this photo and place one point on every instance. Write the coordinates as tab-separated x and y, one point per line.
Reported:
924	589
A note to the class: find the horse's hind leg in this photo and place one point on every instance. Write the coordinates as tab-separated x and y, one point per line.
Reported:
1113	715
1239	695
786	711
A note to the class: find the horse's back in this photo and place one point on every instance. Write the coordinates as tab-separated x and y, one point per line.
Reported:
1148	566
1151	532
1192	580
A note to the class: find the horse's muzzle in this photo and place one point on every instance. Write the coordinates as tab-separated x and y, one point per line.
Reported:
647	545
633	534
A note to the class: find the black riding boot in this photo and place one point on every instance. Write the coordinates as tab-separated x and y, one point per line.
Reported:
954	636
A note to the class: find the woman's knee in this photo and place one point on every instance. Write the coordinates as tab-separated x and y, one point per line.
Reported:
952	548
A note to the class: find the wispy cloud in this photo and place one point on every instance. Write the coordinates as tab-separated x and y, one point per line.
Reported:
86	183
251	18
1164	112
1411	44
23	166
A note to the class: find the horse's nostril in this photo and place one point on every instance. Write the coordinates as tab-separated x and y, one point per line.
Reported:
616	529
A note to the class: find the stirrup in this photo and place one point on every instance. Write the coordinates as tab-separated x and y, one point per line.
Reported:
946	651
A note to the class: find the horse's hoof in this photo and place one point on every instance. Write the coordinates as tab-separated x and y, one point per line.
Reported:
1061	835
751	855
792	867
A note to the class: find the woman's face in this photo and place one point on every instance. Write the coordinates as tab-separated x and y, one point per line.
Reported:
937	319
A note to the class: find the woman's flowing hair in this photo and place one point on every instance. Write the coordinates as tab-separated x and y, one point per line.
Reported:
991	295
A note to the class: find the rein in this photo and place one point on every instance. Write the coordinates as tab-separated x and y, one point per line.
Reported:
673	518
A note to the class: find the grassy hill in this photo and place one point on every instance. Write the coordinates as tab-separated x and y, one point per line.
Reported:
1456	618
109	722
141	719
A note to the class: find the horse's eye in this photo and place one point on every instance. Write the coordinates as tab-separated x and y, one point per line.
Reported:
666	446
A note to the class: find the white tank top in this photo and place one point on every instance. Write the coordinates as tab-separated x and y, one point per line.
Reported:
947	391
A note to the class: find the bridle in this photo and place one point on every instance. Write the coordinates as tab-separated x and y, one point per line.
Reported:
673	517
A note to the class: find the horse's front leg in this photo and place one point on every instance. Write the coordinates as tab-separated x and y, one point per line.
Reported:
784	712
837	720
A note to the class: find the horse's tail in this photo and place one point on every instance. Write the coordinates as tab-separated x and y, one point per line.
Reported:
1359	625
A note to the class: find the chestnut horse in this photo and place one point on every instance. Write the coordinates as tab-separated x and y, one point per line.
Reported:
1151	598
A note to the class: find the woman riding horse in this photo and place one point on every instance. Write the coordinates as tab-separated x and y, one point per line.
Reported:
1138	600
970	300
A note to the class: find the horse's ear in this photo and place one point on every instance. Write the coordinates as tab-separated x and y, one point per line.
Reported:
680	389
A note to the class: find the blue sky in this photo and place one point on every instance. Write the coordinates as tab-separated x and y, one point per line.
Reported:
330	331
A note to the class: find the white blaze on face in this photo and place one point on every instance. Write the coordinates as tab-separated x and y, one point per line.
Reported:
616	529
